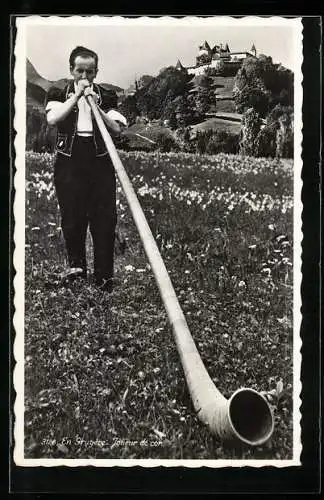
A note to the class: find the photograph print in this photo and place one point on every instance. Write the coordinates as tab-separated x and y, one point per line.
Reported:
157	236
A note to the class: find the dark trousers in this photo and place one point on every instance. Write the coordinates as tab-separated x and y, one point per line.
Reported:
86	192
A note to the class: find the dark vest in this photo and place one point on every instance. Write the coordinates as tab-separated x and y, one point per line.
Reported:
67	128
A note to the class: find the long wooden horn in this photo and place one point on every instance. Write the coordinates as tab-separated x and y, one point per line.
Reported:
246	416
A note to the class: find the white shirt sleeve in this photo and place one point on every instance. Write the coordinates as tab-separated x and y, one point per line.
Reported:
117	117
52	105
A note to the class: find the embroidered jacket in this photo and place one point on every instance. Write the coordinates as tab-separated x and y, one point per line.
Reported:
67	128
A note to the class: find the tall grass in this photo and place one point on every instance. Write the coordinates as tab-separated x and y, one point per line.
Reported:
103	377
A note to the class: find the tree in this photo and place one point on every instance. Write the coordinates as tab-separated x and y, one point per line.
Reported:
252	95
276	138
152	98
184	112
267	140
201	142
205	97
183	139
278	80
129	108
40	137
249	89
285	136
262	85
251	124
145	80
169	113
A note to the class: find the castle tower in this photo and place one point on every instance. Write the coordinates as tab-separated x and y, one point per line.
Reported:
205	54
253	50
205	46
179	66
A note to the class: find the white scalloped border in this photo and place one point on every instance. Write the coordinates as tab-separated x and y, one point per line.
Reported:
19	230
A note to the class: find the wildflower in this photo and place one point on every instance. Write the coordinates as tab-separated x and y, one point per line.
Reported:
267	271
285	243
159	433
129	267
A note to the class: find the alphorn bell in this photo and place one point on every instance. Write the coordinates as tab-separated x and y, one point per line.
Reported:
246	416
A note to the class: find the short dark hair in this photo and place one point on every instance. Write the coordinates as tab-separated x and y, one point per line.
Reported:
84	52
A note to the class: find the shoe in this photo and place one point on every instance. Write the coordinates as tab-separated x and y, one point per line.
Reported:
72	274
54	280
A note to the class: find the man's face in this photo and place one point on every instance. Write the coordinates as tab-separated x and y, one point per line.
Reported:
84	67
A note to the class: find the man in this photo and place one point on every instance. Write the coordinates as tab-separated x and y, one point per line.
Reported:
84	175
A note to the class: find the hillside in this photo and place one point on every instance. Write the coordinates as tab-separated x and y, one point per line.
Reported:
177	111
224	86
34	78
139	135
226	125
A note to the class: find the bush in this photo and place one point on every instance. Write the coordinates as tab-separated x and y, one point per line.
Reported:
276	138
267	141
251	125
40	137
214	142
166	143
223	142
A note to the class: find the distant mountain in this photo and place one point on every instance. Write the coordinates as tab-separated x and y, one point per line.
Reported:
34	77
37	86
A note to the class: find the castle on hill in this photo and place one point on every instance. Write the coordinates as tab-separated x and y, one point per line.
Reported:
216	58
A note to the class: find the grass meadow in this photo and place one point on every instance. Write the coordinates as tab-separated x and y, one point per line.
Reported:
103	378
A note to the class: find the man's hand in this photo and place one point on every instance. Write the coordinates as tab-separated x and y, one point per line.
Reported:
81	86
88	91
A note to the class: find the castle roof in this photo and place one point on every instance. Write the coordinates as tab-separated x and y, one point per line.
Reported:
205	46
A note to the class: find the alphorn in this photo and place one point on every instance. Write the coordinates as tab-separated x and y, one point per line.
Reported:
246	416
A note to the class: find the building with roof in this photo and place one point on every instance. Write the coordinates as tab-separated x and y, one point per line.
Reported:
217	58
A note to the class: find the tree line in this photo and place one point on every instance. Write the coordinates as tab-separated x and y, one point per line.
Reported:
263	93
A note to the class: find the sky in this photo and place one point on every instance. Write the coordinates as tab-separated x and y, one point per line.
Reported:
129	51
